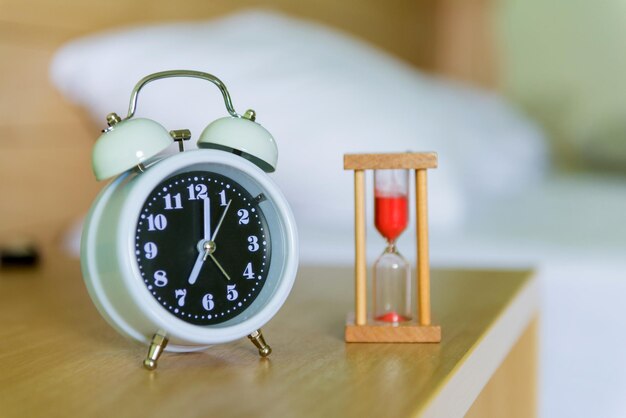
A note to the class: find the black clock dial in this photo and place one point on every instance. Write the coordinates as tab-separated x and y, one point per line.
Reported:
203	247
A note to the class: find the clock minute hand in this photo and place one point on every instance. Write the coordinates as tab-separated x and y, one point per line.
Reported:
207	218
219	224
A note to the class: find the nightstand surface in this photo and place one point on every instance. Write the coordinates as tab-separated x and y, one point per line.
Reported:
60	358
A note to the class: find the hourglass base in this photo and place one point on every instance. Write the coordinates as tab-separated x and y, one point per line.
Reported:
384	332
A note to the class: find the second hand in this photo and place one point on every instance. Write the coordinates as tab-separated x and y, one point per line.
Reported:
219	224
219	266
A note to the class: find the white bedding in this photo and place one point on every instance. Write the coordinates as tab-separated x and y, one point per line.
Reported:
321	93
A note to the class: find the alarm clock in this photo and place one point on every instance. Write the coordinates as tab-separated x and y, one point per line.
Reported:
183	251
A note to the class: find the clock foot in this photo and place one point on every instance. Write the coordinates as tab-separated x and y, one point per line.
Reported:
159	341
257	339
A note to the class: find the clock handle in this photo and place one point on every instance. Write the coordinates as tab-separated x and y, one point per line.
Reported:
180	73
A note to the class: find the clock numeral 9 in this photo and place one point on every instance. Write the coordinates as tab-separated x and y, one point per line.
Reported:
231	293
207	302
243	217
151	250
201	190
160	278
254	243
248	273
158	222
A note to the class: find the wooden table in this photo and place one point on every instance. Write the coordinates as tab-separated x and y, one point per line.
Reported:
59	358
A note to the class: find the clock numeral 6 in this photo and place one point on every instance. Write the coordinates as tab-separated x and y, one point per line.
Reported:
151	250
254	243
160	278
231	293
248	273
157	222
243	217
207	302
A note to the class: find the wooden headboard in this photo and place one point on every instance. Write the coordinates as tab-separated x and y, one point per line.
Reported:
45	173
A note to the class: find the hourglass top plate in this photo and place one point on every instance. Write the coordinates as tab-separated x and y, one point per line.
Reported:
406	160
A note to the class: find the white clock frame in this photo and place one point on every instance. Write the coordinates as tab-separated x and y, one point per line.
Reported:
109	263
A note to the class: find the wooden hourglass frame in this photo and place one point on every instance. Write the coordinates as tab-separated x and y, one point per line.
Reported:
361	327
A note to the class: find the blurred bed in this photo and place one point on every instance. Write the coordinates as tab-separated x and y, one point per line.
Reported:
495	201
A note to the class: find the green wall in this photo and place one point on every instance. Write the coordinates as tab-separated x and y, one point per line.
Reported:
565	62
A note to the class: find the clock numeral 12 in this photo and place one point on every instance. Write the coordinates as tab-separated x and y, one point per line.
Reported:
201	190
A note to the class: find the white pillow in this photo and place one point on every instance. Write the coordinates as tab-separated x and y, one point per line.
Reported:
321	94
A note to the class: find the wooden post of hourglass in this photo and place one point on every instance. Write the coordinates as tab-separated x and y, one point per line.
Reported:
360	273
363	328
423	263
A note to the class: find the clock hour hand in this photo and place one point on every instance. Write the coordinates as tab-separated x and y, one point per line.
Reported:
195	271
205	248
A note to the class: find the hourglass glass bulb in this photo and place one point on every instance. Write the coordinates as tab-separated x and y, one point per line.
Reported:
392	287
391	205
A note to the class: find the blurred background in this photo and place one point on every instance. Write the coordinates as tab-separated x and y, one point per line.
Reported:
522	99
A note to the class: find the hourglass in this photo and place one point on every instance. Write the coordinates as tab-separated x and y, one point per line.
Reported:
392	318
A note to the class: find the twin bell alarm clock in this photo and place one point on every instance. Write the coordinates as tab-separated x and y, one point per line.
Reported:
197	248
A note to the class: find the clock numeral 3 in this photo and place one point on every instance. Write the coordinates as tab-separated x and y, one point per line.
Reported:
160	278
207	302
254	243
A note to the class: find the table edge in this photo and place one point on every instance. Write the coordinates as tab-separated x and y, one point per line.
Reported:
456	395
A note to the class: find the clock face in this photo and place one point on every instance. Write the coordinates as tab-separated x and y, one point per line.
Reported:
203	247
